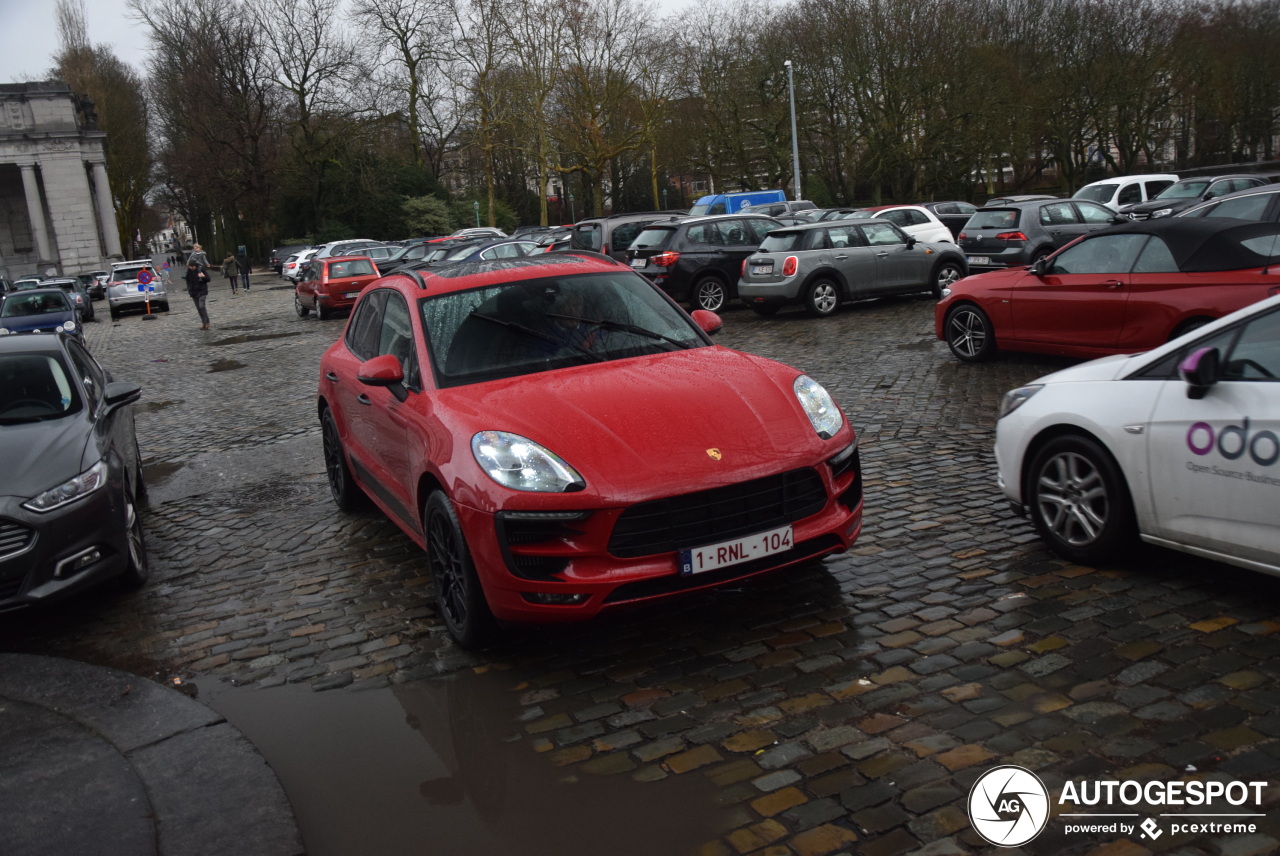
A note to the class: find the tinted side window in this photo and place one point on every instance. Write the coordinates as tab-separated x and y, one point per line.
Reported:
92	379
1154	187
759	229
1130	194
946	208
1091	213
587	236
624	234
1058	214
736	234
882	234
1245	208
364	330
966	208
841	237
718	208
1155	258
1256	355
704	233
396	337
1106	254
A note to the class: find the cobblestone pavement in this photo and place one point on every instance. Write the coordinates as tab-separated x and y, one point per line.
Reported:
843	708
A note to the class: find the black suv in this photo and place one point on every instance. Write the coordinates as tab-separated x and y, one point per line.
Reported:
1181	195
1022	233
699	259
613	234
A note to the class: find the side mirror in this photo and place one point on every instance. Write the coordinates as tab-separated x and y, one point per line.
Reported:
912	240
709	321
1200	371
120	392
1118	219
384	371
1040	268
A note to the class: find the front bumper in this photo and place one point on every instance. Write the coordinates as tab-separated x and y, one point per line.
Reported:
564	570
50	556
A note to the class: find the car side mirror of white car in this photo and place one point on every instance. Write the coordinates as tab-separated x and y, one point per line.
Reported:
1200	371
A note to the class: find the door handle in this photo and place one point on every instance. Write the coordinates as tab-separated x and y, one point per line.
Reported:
364	399
841	258
331	376
1113	283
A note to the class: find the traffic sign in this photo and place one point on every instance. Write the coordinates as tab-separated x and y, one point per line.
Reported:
144	277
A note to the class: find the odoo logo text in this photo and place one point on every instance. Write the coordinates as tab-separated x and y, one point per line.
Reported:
1234	442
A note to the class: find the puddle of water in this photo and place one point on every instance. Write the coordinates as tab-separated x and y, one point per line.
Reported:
155	406
240	340
225	366
442	766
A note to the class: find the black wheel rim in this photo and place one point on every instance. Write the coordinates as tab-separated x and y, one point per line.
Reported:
444	557
1071	499
333	464
967	333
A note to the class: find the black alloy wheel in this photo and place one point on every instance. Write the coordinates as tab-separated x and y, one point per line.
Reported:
460	599
1079	500
346	495
969	335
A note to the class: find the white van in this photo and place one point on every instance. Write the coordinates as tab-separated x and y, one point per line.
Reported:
1125	189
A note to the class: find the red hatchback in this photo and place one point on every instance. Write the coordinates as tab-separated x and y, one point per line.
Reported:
332	283
563	439
1127	288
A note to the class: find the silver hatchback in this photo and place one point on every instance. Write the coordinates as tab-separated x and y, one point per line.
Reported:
825	264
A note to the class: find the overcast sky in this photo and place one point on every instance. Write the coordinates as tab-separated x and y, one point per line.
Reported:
31	36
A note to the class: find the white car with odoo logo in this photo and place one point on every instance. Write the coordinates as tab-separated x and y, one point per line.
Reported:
1179	445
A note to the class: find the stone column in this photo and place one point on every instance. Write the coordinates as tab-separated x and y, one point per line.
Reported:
35	212
106	210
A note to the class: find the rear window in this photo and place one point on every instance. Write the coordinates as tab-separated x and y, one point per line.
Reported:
355	267
653	238
994	218
125	274
782	242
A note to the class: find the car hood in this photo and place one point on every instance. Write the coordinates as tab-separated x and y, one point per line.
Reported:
1103	368
1159	204
48	322
652	426
977	283
42	455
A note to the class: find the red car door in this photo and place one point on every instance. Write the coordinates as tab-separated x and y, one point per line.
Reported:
1078	301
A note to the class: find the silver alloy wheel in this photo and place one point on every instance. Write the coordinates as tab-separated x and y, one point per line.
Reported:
1071	498
967	333
710	294
137	547
823	298
948	275
298	307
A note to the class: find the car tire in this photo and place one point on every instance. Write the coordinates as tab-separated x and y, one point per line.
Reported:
1039	255
1079	500
302	311
115	316
1189	325
137	568
708	293
346	493
460	598
822	298
968	332
322	313
164	307
765	310
945	275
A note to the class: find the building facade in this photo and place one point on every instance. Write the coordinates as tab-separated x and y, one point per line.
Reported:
56	210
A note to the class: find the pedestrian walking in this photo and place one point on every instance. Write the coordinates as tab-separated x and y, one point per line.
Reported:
198	287
231	270
242	260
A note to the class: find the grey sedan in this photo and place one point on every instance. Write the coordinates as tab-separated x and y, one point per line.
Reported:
825	264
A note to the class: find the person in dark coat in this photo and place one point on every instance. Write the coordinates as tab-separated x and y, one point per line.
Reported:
231	270
242	261
198	288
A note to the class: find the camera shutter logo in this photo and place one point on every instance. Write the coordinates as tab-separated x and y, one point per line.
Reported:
1008	806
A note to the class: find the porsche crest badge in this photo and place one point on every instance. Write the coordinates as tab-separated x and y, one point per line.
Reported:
714	454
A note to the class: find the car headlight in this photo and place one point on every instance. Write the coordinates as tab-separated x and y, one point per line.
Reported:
4	331
1163	212
1015	398
521	464
818	405
80	486
69	327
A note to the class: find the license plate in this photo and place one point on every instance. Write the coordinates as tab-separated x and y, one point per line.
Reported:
733	552
979	260
761	270
351	295
638	263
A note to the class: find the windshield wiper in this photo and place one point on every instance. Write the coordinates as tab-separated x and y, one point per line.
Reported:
621	327
538	334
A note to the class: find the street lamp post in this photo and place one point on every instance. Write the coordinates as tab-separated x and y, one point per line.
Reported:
476	206
795	143
573	212
664	199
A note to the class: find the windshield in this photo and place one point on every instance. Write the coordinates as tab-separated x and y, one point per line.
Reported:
539	325
34	387
1183	190
1097	192
21	305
